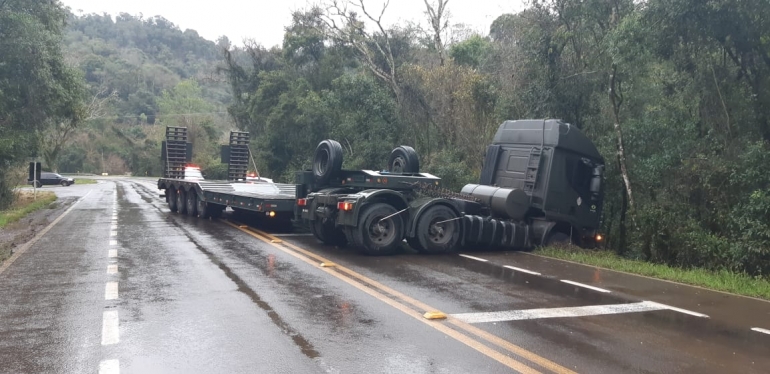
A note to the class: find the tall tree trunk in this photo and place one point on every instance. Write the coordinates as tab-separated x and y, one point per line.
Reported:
616	99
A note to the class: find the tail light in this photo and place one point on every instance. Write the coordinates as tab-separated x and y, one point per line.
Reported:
345	206
301	202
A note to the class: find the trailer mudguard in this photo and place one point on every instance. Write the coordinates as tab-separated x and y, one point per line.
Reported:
418	207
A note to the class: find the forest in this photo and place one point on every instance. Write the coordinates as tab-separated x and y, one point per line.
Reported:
675	93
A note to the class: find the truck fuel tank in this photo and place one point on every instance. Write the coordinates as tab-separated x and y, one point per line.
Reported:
511	203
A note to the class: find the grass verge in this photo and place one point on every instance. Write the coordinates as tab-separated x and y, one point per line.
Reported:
85	181
24	205
726	281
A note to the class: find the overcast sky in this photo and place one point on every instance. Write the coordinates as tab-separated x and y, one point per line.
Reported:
264	20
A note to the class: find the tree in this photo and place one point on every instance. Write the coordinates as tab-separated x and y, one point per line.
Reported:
37	88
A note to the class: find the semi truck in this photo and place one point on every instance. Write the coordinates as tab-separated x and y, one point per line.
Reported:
540	184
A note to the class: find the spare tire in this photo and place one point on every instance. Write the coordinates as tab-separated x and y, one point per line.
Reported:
327	161
404	159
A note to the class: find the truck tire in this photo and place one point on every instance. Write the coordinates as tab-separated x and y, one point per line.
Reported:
192	203
327	161
434	233
181	201
171	197
203	209
328	234
375	237
404	159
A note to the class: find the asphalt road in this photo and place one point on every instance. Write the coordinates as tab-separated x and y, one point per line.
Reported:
120	284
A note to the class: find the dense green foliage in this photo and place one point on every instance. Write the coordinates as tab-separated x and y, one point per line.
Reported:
38	90
683	83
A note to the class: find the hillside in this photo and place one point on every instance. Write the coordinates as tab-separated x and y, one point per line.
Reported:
143	73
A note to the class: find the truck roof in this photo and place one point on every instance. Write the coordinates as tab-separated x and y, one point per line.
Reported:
550	133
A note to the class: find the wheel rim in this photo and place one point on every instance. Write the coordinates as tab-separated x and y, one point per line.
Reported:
381	232
323	162
441	232
398	165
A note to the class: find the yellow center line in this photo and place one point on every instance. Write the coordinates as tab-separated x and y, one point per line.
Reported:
316	259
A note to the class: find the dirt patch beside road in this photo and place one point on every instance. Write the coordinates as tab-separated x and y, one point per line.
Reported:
16	234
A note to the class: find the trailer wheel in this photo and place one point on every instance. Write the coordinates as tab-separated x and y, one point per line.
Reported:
404	159
171	197
378	236
203	209
328	234
192	203
181	201
327	161
438	230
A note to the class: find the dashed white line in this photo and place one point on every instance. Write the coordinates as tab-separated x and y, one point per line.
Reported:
114	226
474	258
113	242
109	367
112	253
111	291
114	233
680	310
758	329
522	270
112	269
586	286
110	329
580	311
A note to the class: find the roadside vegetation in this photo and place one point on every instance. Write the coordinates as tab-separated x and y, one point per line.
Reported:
722	280
24	204
674	93
85	181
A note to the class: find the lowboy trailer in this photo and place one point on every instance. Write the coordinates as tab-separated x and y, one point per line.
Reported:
195	196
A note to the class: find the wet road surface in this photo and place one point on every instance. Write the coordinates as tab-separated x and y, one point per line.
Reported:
122	284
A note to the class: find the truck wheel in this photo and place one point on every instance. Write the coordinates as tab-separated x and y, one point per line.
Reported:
404	159
327	161
181	201
438	230
328	234
376	236
192	203
203	209
171	197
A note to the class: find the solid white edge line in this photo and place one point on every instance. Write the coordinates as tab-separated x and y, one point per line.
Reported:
759	329
25	247
110	328
474	258
109	367
586	286
111	291
680	310
522	270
